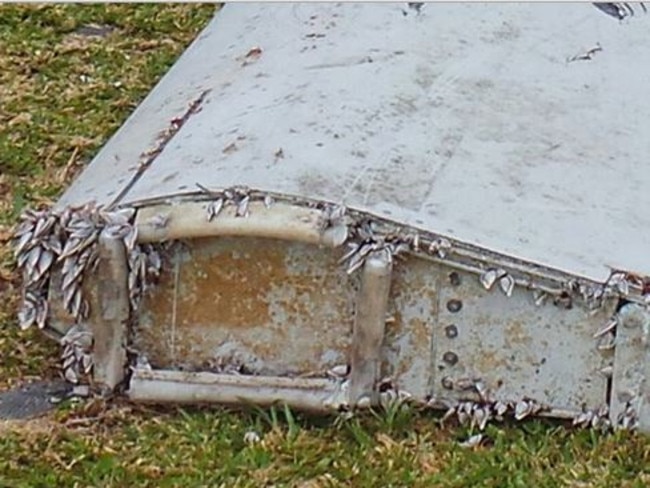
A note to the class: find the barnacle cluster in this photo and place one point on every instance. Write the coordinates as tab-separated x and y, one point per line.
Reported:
67	240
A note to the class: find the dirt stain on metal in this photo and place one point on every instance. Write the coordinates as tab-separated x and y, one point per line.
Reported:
280	308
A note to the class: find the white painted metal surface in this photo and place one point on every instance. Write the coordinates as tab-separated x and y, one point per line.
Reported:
468	119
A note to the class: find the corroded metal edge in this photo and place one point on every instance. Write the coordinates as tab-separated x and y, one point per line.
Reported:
331	395
370	237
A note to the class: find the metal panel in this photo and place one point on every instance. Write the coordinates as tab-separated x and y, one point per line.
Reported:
480	121
242	304
631	380
268	308
412	319
448	332
516	348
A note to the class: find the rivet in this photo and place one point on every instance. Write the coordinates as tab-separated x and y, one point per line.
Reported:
454	278
454	305
447	383
450	358
451	331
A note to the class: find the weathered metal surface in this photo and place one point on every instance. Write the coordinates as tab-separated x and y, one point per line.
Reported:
111	312
231	305
631	368
413	310
262	306
369	329
471	119
202	387
335	204
516	348
460	331
198	219
447	332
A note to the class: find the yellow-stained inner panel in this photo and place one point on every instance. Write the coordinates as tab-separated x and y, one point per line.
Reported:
266	306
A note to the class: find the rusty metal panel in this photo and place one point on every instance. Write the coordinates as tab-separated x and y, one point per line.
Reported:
231	313
265	306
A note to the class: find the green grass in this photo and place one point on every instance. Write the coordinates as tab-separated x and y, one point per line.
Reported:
62	95
132	446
